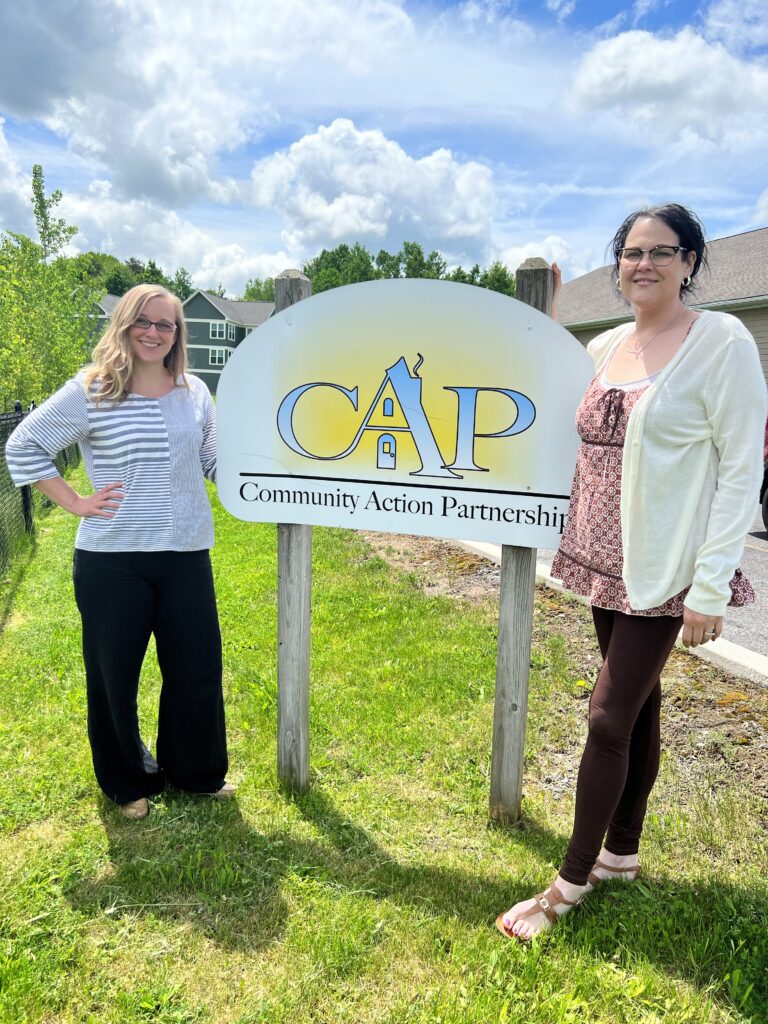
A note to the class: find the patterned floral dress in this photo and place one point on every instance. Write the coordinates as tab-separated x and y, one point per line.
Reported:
590	559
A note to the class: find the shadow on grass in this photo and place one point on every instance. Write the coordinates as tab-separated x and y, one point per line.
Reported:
199	862
17	571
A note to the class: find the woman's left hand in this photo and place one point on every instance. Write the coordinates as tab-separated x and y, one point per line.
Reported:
697	628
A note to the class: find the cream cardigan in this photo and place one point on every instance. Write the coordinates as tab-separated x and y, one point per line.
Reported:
692	465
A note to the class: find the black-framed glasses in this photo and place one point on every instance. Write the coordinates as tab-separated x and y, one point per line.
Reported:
163	326
661	255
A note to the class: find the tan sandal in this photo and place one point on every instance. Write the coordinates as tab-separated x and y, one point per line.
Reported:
546	902
622	873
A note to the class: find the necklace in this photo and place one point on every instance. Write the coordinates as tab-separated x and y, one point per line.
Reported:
636	352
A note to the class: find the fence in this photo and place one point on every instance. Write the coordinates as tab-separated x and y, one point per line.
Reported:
20	505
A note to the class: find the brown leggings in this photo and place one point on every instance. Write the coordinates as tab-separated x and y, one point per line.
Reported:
621	757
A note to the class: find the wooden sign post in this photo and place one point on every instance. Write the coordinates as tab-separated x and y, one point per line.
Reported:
518	579
294	612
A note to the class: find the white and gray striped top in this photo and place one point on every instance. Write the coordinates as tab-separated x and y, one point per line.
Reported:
159	448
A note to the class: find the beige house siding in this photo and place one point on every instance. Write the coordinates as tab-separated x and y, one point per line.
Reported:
756	322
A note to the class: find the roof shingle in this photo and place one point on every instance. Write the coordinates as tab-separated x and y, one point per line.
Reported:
738	269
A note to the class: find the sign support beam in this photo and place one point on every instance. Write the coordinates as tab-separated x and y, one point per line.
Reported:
294	612
518	579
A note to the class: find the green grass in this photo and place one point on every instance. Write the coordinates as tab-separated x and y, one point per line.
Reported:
372	898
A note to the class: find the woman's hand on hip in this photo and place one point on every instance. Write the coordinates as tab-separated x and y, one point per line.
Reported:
698	628
103	503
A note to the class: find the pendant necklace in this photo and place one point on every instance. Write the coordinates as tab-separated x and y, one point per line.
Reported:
636	352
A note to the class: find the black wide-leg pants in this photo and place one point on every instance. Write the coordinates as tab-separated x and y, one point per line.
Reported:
123	598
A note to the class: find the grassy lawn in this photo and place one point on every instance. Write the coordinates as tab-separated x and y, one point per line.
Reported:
372	899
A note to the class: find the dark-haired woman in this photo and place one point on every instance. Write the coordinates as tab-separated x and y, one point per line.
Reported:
147	431
663	496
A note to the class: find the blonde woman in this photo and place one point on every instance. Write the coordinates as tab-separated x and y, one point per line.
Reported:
147	432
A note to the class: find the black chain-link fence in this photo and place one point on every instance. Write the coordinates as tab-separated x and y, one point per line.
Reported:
19	505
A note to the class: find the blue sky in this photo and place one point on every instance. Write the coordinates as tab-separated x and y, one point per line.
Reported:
240	138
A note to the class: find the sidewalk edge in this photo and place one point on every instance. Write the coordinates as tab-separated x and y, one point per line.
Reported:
730	657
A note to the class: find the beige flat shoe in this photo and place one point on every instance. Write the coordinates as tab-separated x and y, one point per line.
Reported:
135	810
226	792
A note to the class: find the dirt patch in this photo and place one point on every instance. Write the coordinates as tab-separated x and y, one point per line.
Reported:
714	726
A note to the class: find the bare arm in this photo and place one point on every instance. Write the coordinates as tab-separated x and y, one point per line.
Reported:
103	503
557	284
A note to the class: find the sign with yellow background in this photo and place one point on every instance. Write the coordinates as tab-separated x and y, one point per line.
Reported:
405	406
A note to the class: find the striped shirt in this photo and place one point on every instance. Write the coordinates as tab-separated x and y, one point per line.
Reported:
159	448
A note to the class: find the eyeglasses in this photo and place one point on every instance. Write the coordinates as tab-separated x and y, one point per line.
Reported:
163	326
661	255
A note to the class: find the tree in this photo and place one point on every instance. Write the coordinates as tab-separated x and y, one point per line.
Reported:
47	305
339	266
498	278
181	284
387	264
48	317
416	264
218	290
119	280
257	290
54	232
465	277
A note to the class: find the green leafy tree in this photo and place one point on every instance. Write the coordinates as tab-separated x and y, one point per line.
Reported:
218	290
465	276
498	278
54	232
339	266
119	280
48	312
47	305
153	274
388	264
181	284
257	290
415	264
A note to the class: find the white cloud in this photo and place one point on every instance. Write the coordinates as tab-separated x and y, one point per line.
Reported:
15	191
552	248
682	91
155	95
742	25
563	9
141	228
232	266
343	183
641	8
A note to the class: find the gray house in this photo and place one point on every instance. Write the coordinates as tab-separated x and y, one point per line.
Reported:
104	310
216	327
737	283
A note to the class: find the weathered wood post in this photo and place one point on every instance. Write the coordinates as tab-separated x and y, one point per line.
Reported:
533	284
294	612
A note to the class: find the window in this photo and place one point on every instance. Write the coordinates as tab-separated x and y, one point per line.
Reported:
217	329
230	332
218	356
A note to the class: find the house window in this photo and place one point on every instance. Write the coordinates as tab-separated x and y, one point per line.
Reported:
230	332
217	329
218	356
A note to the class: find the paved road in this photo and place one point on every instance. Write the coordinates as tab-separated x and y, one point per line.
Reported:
747	627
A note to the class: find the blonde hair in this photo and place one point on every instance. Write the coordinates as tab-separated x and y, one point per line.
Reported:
113	356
